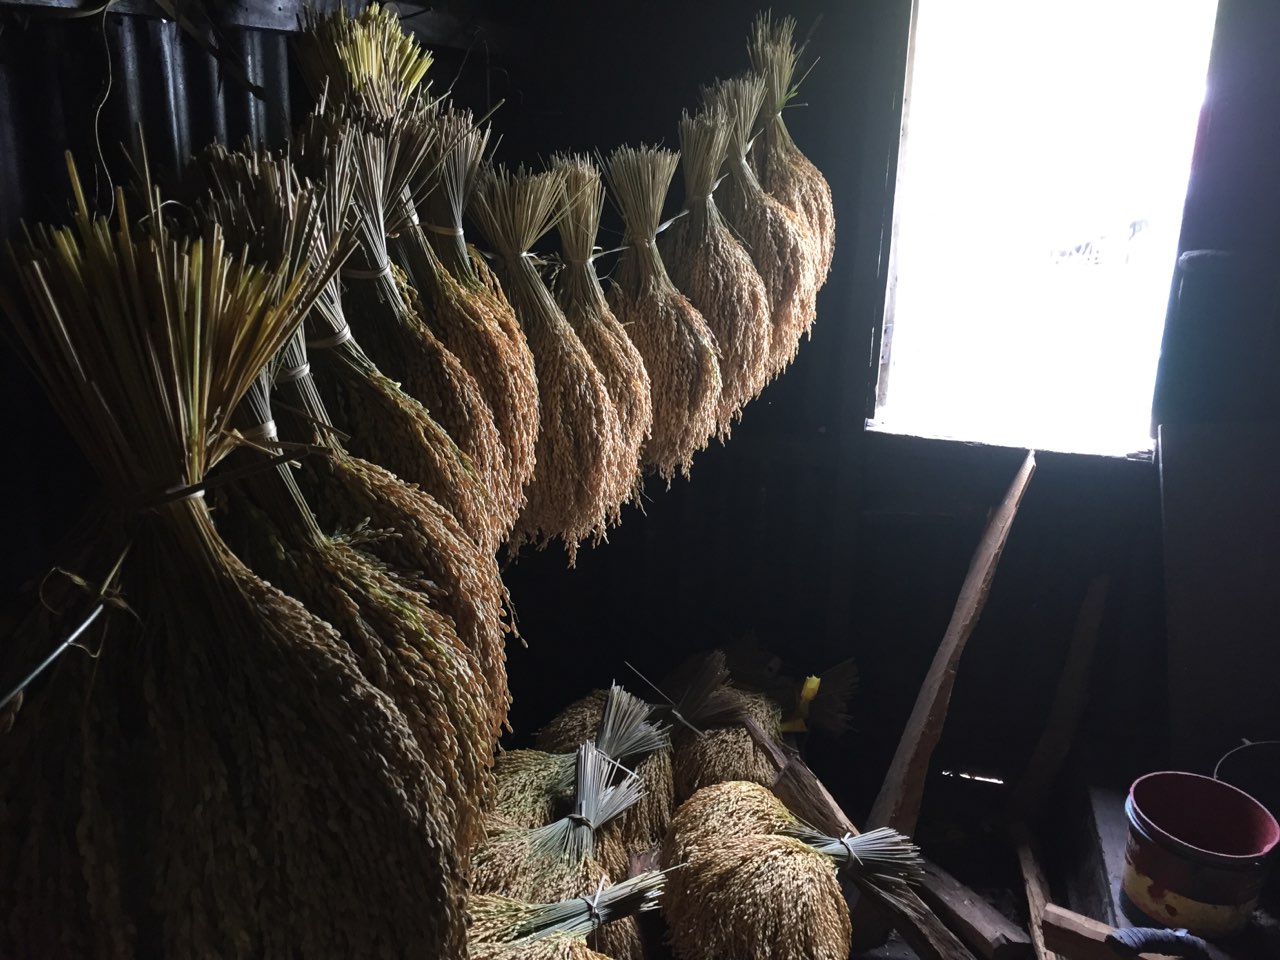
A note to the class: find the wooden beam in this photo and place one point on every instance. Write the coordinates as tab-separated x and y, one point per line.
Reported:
1081	938
1037	892
898	803
982	928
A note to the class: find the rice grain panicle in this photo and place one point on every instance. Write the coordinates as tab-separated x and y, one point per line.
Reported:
563	859
728	751
472	323
780	242
381	422
678	348
146	340
785	172
710	266
581	297
579	434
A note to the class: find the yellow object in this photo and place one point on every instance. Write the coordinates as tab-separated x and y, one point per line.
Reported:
797	722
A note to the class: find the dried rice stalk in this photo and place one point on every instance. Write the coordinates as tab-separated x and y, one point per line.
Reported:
766	897
366	60
146	341
472	323
555	947
579	437
779	241
785	172
524	929
645	824
530	784
734	807
710	266
580	295
727	752
349	493
679	349
382	422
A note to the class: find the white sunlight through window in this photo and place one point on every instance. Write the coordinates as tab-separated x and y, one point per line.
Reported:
1044	164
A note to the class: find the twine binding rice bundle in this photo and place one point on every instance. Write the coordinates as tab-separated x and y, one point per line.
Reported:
785	172
255	714
778	239
710	266
472	323
506	929
580	295
562	859
679	350
382	423
757	882
578	440
644	825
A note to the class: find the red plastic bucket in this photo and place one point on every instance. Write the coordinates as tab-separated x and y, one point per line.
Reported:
1198	852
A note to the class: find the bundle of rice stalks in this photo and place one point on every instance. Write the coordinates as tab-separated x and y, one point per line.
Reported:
645	824
779	240
775	893
531	784
727	752
678	348
382	422
256	715
471	322
711	267
502	927
403	526
580	295
563	858
577	450
366	60
785	172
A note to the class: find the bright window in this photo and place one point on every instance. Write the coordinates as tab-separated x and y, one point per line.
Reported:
1041	179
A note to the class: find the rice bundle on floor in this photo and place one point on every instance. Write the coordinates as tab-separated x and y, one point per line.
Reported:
678	348
504	928
562	859
711	267
381	422
255	713
785	172
734	807
580	295
472	322
569	497
780	243
765	897
644	825
727	752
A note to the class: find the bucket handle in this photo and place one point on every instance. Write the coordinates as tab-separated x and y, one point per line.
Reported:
1244	744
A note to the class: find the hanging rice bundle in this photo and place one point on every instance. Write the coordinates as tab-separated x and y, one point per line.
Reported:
645	824
727	752
381	422
785	172
679	350
711	267
563	859
778	239
404	527
367	60
582	299
256	713
569	496
505	928
473	324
